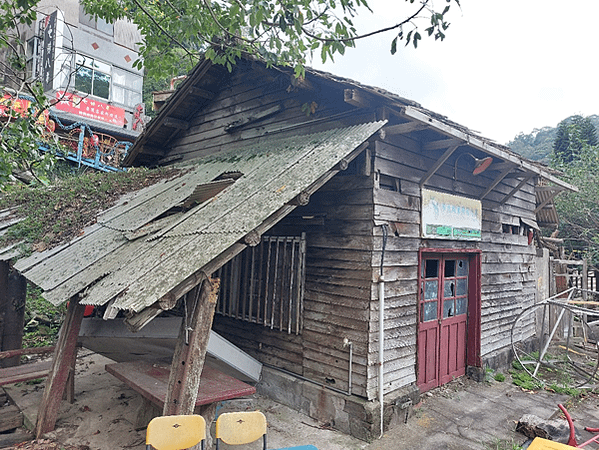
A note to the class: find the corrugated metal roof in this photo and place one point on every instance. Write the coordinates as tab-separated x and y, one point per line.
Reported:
108	261
546	216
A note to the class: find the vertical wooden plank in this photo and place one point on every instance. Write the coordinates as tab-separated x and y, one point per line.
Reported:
301	283
252	281
259	306
245	281
4	268
188	360
267	284
65	352
14	316
275	284
291	280
283	280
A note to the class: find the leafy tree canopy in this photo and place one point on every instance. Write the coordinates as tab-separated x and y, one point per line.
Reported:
22	127
572	134
282	32
579	211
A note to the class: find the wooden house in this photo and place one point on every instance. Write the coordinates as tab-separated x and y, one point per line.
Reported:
367	249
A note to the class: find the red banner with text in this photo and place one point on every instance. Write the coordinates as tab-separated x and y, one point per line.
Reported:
90	108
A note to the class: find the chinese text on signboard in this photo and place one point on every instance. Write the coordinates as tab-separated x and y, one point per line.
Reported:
447	216
90	108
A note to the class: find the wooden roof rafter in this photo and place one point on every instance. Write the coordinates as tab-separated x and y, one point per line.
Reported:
515	161
504	173
438	164
524	180
553	192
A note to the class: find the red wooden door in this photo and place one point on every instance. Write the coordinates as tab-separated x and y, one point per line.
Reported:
443	314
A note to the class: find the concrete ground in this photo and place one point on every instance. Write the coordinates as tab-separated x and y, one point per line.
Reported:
462	415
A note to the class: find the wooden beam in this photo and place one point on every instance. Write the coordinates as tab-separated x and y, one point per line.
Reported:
199	92
480	144
497	180
552	195
176	123
443	143
252	118
517	188
438	164
404	128
62	361
190	352
153	151
355	98
137	321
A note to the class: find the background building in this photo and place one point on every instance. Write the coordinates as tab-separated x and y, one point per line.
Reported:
87	69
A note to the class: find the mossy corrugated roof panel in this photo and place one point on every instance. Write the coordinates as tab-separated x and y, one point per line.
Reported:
108	261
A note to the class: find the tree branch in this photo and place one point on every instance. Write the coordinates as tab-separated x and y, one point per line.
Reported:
372	33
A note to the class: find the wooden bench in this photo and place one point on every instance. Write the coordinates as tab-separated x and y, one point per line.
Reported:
151	381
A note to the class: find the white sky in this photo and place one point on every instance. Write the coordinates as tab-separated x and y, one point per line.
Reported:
506	66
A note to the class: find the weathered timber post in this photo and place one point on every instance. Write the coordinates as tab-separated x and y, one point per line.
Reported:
13	290
64	355
190	352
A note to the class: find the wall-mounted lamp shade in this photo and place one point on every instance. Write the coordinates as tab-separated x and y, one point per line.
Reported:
480	165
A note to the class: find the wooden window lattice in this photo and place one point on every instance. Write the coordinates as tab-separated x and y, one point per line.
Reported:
265	284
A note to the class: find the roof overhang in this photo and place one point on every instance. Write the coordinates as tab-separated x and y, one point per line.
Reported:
457	138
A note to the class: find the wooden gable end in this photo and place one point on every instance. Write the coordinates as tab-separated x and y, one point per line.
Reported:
250	103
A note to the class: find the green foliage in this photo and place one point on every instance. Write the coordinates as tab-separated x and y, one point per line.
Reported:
525	380
42	320
21	132
502	444
538	144
282	32
21	135
579	211
572	134
499	377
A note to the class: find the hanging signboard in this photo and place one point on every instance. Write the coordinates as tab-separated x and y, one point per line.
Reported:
447	216
48	51
90	108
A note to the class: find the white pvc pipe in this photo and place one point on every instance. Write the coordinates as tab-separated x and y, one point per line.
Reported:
381	344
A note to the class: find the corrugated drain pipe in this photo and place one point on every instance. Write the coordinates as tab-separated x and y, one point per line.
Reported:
382	325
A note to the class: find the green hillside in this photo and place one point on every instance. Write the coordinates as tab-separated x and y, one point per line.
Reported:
538	145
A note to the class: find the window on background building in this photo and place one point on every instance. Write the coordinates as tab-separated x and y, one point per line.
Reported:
100	24
126	87
92	77
32	52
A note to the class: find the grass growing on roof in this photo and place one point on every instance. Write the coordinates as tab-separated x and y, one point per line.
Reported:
58	213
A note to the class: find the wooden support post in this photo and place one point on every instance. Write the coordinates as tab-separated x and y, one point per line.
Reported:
69	391
13	290
190	352
65	353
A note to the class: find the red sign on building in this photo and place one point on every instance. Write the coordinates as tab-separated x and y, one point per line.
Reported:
90	108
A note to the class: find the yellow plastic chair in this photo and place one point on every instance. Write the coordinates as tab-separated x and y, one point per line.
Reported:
239	428
175	432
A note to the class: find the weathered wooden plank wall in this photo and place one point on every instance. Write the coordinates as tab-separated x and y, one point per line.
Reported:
508	281
337	289
252	94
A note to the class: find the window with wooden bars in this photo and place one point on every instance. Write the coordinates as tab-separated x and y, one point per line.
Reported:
265	284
